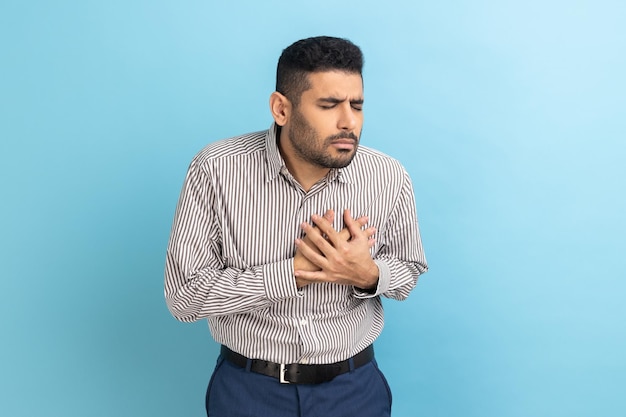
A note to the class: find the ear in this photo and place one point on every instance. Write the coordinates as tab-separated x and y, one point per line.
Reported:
280	106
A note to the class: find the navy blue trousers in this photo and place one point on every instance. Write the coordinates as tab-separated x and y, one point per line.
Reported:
236	392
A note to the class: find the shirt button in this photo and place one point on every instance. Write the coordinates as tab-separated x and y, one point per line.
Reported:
304	322
304	361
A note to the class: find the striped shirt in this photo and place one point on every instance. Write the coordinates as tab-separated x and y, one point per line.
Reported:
231	249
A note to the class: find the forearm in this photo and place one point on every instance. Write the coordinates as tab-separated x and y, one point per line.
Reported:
396	279
207	292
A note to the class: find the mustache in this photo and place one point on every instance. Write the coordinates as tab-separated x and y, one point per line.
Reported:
343	135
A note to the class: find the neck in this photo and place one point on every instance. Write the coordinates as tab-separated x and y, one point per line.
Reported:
306	173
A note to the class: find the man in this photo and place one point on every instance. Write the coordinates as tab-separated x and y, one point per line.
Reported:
270	244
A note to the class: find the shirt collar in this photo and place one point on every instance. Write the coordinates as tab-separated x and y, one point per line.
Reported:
276	163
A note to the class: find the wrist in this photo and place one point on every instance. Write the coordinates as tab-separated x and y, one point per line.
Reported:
371	282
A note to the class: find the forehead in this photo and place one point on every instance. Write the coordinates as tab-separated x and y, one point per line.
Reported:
336	84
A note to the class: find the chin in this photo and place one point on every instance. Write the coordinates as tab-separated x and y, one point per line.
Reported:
342	162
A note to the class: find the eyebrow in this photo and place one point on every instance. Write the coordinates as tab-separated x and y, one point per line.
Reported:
334	100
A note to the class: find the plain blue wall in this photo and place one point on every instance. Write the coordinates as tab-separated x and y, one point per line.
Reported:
509	115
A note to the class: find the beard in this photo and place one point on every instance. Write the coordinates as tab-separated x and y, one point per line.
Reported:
310	148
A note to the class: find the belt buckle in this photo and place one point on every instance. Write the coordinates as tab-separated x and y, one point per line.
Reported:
281	375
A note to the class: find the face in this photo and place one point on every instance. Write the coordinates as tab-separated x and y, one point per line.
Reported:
324	128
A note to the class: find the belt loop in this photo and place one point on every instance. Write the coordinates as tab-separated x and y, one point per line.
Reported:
248	365
351	364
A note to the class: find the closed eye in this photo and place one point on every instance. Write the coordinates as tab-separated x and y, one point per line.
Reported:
328	103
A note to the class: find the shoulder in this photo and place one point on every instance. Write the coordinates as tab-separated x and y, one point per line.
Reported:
379	174
242	146
377	162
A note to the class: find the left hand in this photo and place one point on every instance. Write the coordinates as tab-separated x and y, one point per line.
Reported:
341	261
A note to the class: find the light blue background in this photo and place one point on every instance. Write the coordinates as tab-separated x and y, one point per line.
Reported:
509	115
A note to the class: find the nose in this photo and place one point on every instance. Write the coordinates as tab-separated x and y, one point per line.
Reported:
348	118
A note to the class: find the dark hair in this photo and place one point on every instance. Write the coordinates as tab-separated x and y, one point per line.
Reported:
321	53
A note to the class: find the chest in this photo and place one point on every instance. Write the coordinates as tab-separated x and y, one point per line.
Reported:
259	224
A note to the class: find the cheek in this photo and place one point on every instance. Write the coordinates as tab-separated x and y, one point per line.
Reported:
323	128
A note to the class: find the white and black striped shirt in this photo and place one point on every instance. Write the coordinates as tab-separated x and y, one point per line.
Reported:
231	249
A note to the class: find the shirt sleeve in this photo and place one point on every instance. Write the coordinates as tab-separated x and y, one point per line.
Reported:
197	283
400	257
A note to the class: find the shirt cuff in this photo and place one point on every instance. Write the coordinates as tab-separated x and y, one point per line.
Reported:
384	278
279	280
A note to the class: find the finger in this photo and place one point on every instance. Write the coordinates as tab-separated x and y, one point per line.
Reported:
314	253
362	221
326	228
369	232
301	282
310	277
329	216
307	239
317	239
353	226
344	234
311	235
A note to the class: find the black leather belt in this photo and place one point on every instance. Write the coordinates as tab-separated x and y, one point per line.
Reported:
297	373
